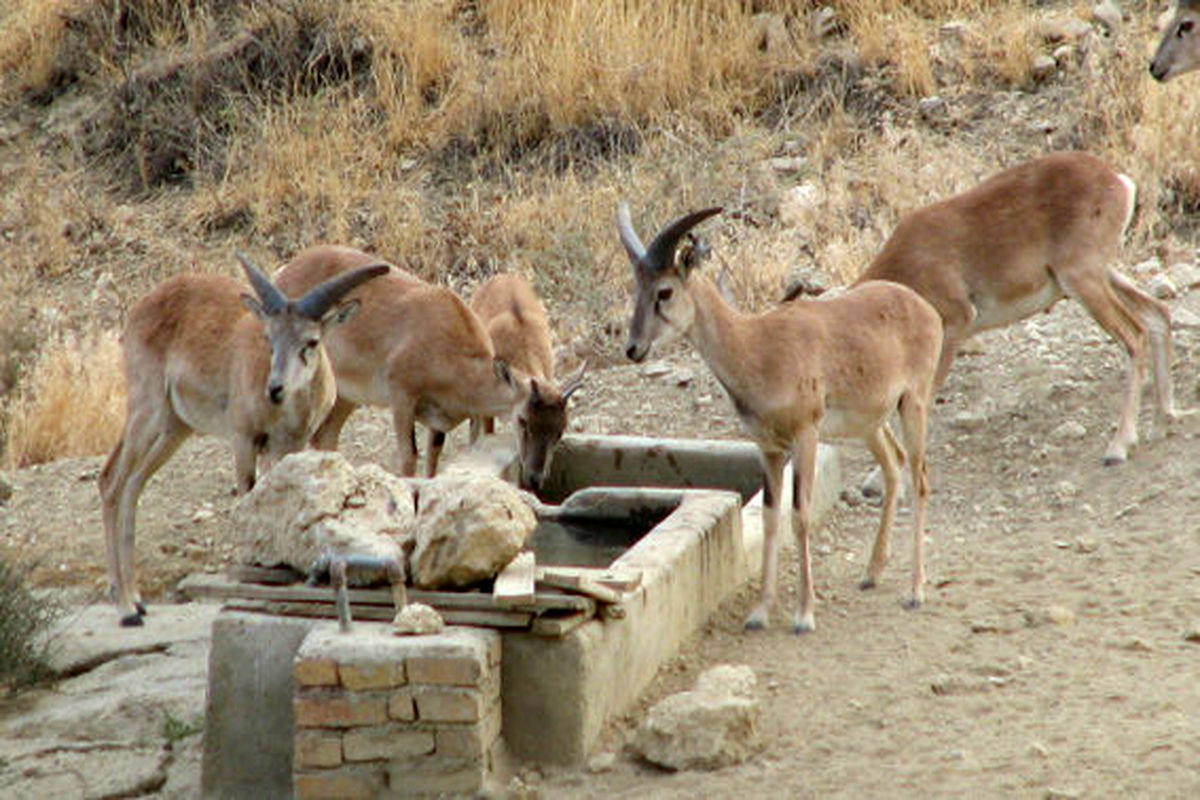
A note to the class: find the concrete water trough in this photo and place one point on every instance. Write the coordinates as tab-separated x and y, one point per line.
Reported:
694	509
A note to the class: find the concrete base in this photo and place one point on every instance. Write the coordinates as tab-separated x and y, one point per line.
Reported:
558	693
249	723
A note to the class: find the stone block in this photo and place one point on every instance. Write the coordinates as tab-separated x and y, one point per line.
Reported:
448	705
401	707
445	671
323	708
345	783
423	777
371	675
315	672
248	725
465	741
386	743
317	750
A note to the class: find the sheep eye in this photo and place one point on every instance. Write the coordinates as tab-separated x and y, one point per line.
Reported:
665	293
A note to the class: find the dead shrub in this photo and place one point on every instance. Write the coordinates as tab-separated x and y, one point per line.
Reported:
72	403
25	623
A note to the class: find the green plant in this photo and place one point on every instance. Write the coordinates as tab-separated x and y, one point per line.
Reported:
175	730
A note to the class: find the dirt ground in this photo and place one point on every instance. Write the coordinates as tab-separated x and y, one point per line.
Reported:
1055	656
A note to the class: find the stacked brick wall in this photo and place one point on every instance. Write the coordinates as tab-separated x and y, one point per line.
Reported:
379	715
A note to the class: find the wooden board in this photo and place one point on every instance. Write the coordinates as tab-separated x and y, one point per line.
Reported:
514	585
578	582
220	587
557	624
478	618
619	580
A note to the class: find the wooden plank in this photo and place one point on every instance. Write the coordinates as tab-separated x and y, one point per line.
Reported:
514	585
219	587
557	624
579	583
619	580
276	576
478	618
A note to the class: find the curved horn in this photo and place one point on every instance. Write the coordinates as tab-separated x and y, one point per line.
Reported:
323	296
271	298
633	245
661	253
575	382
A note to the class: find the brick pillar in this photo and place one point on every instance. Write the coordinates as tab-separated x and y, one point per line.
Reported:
379	715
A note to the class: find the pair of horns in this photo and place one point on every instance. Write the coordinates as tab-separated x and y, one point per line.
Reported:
660	254
317	302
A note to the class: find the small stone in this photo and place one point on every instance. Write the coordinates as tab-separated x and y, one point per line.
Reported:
683	377
968	421
805	280
656	369
417	619
1043	67
1136	644
1059	615
933	109
202	515
1108	15
1051	615
823	22
1162	287
1086	544
1147	267
788	164
602	763
1039	750
1066	55
1192	634
800	202
1065	431
6	491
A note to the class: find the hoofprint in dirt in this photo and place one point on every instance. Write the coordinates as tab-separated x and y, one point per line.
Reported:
1052	657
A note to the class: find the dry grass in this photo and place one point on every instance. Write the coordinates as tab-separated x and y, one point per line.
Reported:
466	138
71	404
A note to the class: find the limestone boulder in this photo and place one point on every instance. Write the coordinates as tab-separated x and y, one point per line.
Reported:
314	504
712	726
467	530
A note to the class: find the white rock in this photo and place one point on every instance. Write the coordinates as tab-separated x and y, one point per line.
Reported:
933	109
712	726
417	619
800	202
1068	430
823	22
1162	287
314	503
1147	267
1043	67
1108	15
467	530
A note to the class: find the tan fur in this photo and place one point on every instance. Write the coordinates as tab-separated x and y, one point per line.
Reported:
1019	242
197	361
1178	51
809	371
520	333
413	347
